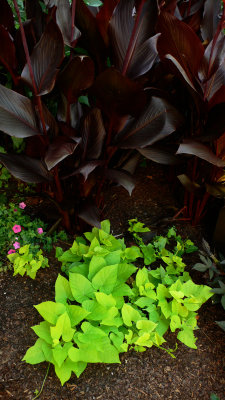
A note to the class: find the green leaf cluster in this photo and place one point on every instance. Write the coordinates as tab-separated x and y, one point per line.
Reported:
25	262
107	306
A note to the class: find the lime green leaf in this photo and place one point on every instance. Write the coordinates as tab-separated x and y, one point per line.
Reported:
105	279
175	323
63	372
50	310
60	353
162	292
142	277
96	264
105	225
81	287
146	326
62	290
187	337
143	302
106	300
62	328
144	340
34	354
76	314
129	314
165	308
96	311
125	271
149	254
122	290
43	331
132	253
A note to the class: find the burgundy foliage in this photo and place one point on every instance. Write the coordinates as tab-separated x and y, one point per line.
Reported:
138	78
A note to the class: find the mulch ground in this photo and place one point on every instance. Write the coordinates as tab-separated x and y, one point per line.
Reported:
193	374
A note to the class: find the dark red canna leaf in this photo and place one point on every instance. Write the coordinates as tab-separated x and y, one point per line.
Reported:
64	21
17	117
7	50
25	168
180	41
93	135
169	6
143	47
190	185
158	120
159	155
122	178
219	97
91	37
213	58
32	39
46	57
188	8
90	213
216	83
78	75
34	13
6	16
71	112
210	20
200	150
85	169
116	94
104	16
58	150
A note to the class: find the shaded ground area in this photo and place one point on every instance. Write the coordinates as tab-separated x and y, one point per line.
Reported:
194	374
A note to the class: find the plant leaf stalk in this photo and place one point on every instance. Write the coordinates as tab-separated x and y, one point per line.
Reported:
26	50
132	41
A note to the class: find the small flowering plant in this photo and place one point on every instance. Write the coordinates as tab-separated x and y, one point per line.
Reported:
17	230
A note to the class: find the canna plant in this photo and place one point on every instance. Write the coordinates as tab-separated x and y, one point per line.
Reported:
92	88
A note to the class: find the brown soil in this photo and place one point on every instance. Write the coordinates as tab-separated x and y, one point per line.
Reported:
194	374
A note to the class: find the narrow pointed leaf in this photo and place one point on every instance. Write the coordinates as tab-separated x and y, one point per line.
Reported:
58	150
17	117
78	75
216	83
158	120
104	16
90	213
189	185
200	150
46	57
123	178
25	168
85	169
213	57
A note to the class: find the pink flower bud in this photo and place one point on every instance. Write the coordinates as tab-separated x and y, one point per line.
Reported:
22	205
11	251
40	230
16	245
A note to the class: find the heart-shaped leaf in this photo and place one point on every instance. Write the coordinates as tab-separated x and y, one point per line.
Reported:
46	57
78	75
25	168
17	117
158	120
58	150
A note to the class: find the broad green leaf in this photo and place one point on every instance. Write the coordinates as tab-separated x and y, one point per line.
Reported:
63	372
62	328
146	326
106	300
81	287
118	340
149	254
76	314
178	295
187	337
68	256
143	302
105	225
125	271
106	279
144	340
162	292
110	319
50	310
129	314
175	323
165	308
113	257
62	290
34	354
76	367
122	290
192	304
43	331
132	253
96	264
60	353
47	350
142	277
96	311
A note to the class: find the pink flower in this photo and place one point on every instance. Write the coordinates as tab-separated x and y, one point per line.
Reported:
40	230
16	245
22	205
11	251
15	210
16	228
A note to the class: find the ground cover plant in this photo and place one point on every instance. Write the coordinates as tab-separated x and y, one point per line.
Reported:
108	305
88	99
23	239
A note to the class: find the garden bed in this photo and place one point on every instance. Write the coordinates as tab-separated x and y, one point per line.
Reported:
154	374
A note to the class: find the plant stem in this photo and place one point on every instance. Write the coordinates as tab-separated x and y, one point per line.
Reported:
26	50
132	41
73	20
42	387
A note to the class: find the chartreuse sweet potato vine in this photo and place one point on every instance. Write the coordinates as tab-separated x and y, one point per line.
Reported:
108	305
